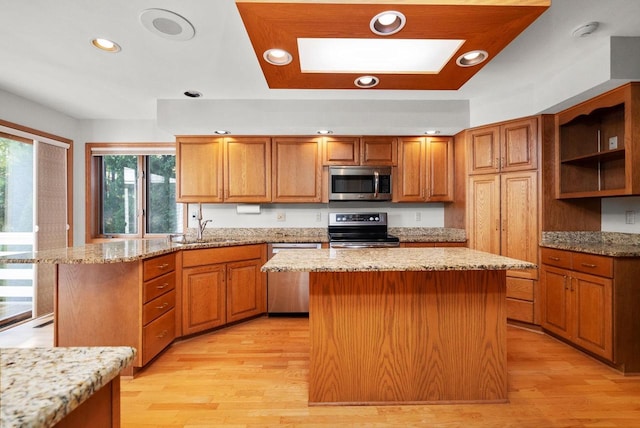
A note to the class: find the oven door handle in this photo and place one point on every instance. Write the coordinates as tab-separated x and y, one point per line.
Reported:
376	183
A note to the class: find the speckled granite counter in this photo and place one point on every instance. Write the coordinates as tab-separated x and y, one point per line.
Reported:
602	243
390	259
40	386
118	251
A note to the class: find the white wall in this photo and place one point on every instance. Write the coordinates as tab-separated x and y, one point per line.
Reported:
613	214
316	215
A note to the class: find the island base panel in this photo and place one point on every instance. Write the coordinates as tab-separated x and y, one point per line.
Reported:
408	337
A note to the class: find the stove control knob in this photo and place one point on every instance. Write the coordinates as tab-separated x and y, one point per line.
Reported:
377	218
371	218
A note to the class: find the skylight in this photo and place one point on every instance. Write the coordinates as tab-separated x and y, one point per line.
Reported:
345	55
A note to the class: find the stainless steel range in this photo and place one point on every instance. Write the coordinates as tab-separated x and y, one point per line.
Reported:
360	230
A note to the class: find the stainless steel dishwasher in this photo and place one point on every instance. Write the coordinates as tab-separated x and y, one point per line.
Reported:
288	292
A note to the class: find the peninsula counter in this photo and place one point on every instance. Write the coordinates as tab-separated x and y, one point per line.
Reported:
405	325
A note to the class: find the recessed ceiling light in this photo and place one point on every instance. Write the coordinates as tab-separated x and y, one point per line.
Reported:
472	58
193	94
221	132
277	57
432	132
325	131
167	24
387	23
105	45
366	81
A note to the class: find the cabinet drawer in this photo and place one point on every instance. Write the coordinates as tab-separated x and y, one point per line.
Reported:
158	306
553	257
520	310
158	335
221	255
593	264
520	288
158	286
158	265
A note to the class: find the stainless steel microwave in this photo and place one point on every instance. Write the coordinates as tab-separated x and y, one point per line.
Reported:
360	183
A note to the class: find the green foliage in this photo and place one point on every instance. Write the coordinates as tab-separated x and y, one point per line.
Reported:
16	186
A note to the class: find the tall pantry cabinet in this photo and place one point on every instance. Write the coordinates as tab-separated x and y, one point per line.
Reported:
503	188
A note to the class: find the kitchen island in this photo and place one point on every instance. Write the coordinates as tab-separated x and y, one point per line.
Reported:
62	387
405	325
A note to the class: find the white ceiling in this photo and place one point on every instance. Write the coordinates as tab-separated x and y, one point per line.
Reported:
46	56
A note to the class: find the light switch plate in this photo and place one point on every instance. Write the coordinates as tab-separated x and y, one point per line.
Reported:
613	143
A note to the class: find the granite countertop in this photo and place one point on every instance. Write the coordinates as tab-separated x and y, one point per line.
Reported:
610	244
390	259
40	386
129	250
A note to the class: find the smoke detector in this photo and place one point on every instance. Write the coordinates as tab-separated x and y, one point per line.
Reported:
585	30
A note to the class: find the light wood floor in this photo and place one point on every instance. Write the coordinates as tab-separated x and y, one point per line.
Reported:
255	375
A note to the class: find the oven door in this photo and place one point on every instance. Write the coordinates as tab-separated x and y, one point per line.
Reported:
359	183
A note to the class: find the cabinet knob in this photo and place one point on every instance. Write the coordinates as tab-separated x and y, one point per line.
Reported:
164	305
161	286
555	259
589	265
163	266
163	334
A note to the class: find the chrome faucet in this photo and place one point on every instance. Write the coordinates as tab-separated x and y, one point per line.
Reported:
201	224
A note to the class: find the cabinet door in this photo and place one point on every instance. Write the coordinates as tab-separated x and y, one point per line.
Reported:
245	290
593	308
203	298
484	213
379	151
341	151
555	302
199	169
484	150
519	145
519	219
247	169
439	169
410	178
297	170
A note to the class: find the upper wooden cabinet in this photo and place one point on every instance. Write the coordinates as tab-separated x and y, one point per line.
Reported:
425	170
297	169
247	169
512	146
359	151
597	145
199	169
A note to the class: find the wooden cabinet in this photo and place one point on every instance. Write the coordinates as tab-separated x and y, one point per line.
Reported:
222	285
598	145
425	170
247	169
511	146
369	150
199	169
578	306
297	169
118	304
502	198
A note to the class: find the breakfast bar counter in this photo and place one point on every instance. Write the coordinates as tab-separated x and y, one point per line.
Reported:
405	325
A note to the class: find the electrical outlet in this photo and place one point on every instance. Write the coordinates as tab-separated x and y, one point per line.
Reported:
418	216
630	217
613	143
280	216
318	216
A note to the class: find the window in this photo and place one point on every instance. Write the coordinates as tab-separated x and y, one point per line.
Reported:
133	190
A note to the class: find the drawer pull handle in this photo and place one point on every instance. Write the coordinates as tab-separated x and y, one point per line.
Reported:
163	266
555	259
161	286
589	265
163	334
164	305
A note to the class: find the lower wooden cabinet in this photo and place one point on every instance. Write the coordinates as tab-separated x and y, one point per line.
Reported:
591	301
222	285
521	299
